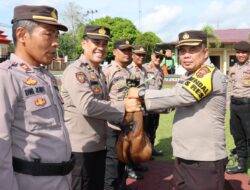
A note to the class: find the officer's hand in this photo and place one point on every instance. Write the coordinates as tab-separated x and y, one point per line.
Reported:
133	92
132	104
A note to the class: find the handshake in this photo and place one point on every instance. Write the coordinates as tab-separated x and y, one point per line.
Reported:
132	101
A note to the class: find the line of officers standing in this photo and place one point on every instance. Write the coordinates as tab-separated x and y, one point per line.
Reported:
61	141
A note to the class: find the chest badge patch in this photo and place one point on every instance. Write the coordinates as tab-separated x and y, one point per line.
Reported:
97	90
30	81
93	77
80	76
40	102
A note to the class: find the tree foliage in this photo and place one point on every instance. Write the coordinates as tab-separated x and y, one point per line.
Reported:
74	16
70	42
120	28
148	40
211	37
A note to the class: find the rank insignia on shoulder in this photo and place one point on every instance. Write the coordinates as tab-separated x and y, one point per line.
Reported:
40	102
30	81
80	76
93	77
25	67
202	72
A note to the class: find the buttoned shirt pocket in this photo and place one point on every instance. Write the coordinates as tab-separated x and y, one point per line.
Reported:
40	113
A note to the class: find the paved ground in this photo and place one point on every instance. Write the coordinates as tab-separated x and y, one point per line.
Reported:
160	177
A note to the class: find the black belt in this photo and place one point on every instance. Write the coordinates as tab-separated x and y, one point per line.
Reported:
235	100
36	168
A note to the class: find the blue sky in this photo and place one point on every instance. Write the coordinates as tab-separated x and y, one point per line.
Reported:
166	18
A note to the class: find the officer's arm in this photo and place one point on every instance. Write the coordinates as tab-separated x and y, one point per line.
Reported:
7	100
83	98
168	98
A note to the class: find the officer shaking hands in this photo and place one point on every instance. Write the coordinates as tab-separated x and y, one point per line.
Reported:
199	147
88	107
34	142
239	94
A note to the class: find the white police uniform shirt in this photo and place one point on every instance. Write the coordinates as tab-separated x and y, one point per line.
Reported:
198	127
87	106
32	125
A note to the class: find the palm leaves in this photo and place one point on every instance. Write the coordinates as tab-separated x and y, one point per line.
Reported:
211	37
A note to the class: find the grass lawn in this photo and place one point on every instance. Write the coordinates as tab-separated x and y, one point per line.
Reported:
164	137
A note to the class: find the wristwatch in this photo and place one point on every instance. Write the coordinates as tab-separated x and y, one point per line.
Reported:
141	93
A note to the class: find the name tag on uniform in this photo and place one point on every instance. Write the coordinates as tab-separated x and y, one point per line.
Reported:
35	90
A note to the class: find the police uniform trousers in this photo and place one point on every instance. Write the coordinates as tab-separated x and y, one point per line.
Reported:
151	122
115	170
199	175
89	170
240	125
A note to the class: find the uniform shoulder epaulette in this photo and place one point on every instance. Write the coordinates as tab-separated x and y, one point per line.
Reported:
85	65
7	65
108	66
130	66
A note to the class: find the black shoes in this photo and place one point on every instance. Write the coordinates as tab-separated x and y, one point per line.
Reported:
131	173
236	169
157	152
241	168
140	168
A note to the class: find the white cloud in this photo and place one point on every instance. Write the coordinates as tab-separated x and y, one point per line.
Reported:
224	14
160	17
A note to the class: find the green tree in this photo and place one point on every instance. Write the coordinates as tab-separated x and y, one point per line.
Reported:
211	37
70	42
148	40
120	28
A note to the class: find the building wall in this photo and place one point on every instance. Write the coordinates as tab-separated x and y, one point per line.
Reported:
224	54
3	50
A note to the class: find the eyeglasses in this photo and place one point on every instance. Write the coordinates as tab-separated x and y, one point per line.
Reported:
140	55
159	56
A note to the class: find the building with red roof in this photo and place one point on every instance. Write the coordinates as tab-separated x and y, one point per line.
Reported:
4	42
224	56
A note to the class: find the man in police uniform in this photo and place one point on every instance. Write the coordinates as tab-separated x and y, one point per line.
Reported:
116	75
138	72
155	72
87	109
239	92
34	143
199	147
136	67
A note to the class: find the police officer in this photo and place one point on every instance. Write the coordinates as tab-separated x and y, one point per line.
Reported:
136	67
87	109
34	142
199	147
116	75
239	92
138	72
155	72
